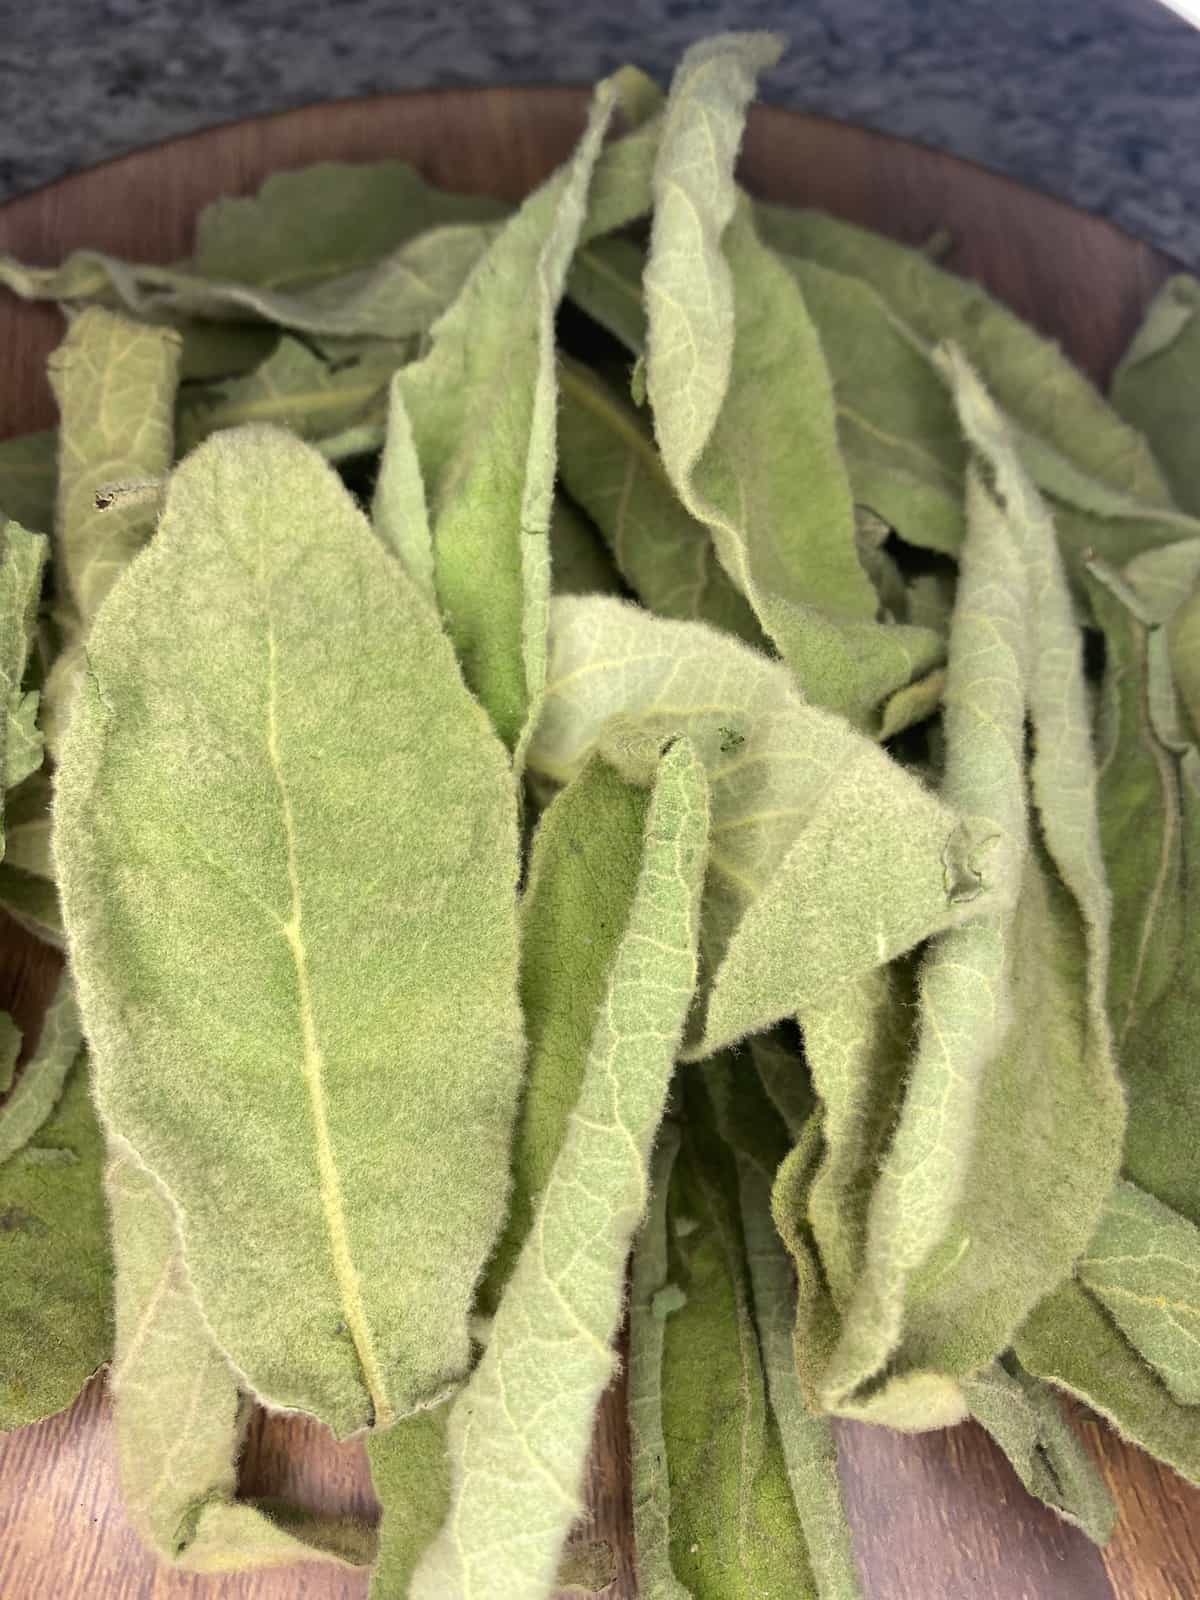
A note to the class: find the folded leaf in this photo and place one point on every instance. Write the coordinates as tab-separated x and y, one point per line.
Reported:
743	405
808	815
606	282
28	469
1070	1341
1030	378
411	1473
398	509
313	395
1143	1265
176	1408
481	406
1153	386
519	1431
583	875
750	1126
248	803
22	556
39	1086
55	1267
611	466
1025	1419
652	1298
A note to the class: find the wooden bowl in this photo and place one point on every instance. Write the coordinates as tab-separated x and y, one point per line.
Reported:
936	1516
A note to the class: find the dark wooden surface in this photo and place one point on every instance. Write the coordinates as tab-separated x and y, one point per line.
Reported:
936	1516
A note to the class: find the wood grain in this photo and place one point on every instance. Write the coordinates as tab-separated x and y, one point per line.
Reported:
937	1516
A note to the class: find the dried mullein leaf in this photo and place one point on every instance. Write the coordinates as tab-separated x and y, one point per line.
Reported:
176	1405
398	509
579	558
1029	376
410	1468
752	1129
1150	831
1025	1418
744	408
1143	1265
1071	1342
482	407
28	479
295	388
232	790
39	1086
1154	385
55	1266
807	813
734	1530
519	1431
651	1299
22	556
583	875
610	465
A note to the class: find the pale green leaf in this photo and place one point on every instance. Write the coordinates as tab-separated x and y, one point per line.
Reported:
55	1267
248	802
606	282
651	1300
1030	378
583	875
807	813
1143	1265
481	406
39	1085
115	383
610	465
176	1408
28	473
1184	648
398	508
751	1128
1070	1341
22	556
410	1469
784	1075
519	1431
1026	1420
579	558
1154	385
315	396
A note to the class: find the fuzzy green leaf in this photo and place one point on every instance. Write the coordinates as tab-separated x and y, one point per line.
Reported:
579	559
482	406
1143	1265
22	556
807	813
1153	386
410	1468
248	803
315	396
176	1410
10	1049
610	465
606	282
27	827
40	1084
1031	379
398	509
55	1266
519	1431
1025	1419
1070	1341
32	901
28	475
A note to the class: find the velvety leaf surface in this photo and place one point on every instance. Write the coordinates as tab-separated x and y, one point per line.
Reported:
22	556
55	1266
519	1431
1143	1265
245	803
481	406
1025	1418
39	1085
1154	385
27	826
813	825
398	509
176	1408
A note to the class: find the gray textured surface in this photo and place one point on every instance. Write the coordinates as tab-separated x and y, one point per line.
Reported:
1094	100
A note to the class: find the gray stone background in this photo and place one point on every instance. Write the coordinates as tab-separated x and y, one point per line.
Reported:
1094	100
